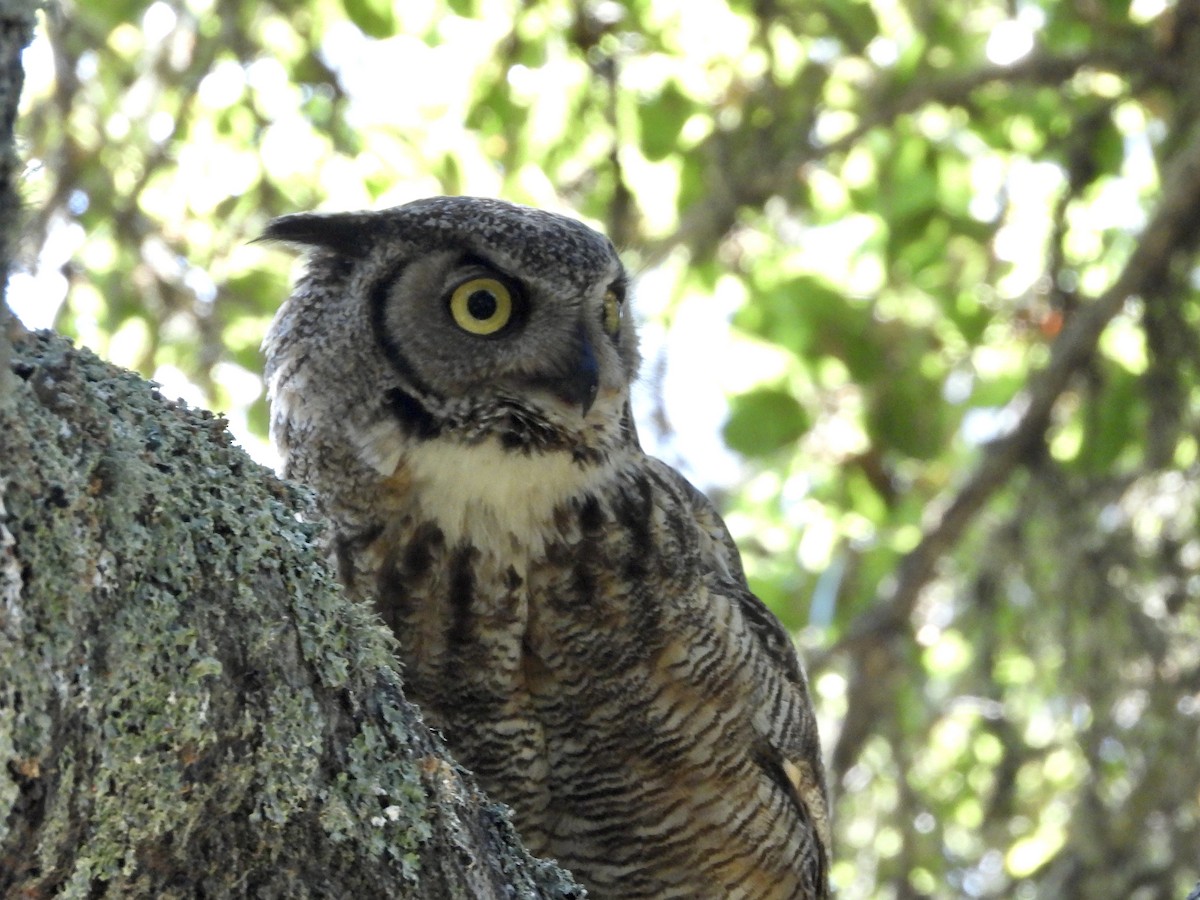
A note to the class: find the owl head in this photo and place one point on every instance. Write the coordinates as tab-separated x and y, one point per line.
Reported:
457	317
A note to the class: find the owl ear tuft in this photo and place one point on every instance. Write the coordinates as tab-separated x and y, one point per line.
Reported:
345	233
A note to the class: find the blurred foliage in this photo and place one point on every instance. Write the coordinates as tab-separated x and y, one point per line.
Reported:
889	213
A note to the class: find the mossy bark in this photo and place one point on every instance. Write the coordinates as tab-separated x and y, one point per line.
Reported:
188	704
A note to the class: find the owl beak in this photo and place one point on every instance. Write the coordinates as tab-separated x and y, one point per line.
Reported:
579	387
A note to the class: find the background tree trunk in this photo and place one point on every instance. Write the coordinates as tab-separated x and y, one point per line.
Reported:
188	705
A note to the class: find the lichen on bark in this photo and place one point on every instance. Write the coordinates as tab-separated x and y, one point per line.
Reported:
189	704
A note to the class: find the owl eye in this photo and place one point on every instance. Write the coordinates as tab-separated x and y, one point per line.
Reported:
481	306
612	312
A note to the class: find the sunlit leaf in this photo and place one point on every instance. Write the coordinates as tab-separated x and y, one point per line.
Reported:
662	119
375	17
764	421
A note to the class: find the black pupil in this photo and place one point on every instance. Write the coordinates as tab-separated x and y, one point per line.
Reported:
482	305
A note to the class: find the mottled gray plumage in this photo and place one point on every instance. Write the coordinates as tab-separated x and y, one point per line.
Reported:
452	377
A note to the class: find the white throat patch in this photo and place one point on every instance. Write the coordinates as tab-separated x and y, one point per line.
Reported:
495	496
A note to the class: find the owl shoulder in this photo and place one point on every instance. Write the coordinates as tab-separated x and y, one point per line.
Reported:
787	748
727	574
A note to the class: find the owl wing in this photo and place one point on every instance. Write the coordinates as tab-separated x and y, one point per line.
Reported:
786	745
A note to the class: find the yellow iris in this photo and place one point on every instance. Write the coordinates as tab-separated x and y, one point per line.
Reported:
612	313
481	306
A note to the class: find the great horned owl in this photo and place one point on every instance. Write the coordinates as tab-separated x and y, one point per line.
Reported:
452	378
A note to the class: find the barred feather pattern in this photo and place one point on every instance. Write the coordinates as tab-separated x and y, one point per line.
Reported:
571	614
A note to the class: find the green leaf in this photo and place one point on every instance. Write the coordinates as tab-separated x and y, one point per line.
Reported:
661	119
764	420
374	17
109	15
1110	421
1108	148
907	415
813	319
694	186
853	22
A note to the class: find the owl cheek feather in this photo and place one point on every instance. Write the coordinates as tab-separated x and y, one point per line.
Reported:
380	446
578	387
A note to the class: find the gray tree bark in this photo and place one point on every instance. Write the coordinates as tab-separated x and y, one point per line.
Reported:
188	704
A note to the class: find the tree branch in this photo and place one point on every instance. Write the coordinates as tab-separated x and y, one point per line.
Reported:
710	218
189	704
1172	232
1035	69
